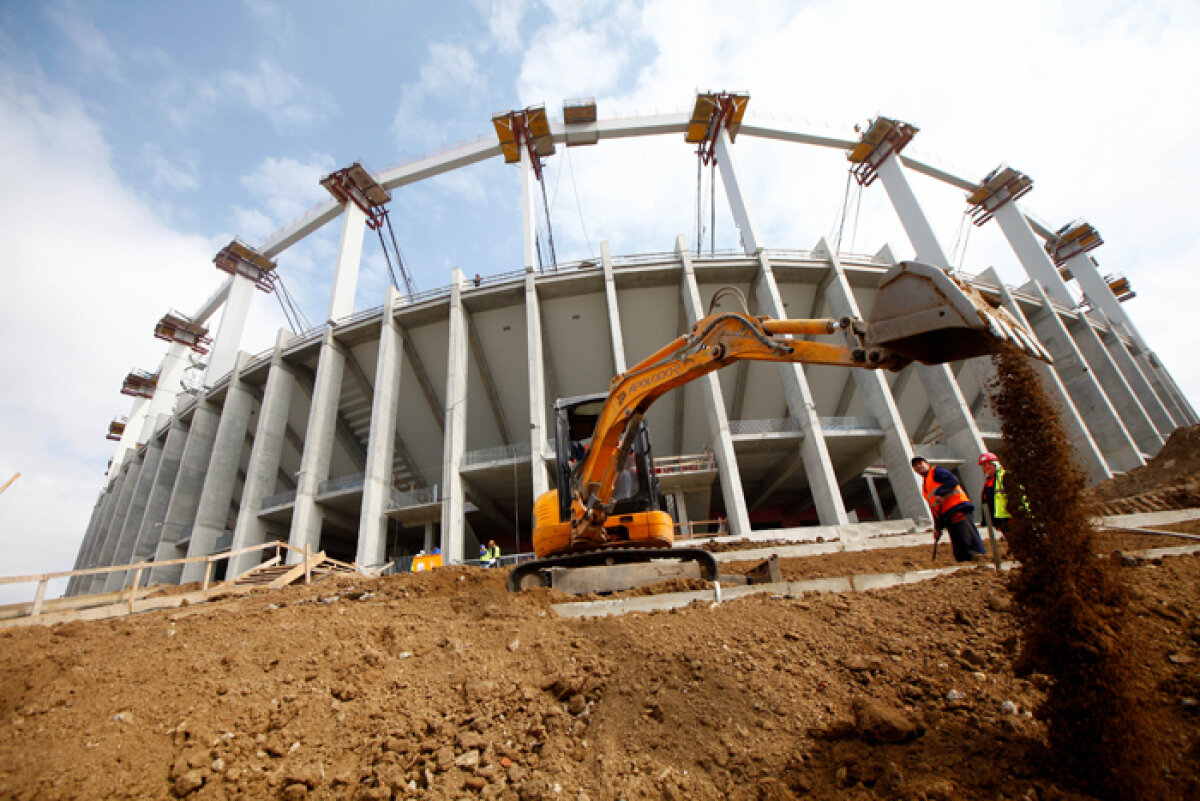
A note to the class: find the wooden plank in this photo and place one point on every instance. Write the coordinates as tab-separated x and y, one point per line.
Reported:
41	596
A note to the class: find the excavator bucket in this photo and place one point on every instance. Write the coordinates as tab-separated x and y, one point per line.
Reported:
926	315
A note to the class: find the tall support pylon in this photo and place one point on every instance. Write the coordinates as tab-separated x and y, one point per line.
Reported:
877	154
265	455
818	467
728	472
996	196
455	445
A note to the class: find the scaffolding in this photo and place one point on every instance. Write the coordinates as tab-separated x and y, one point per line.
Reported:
1120	287
116	429
713	111
579	118
238	258
355	184
1002	185
528	130
176	327
884	137
1072	239
139	384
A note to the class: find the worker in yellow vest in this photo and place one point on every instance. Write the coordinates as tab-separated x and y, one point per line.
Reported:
995	499
952	509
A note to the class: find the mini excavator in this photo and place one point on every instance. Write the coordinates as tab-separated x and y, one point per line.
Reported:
921	314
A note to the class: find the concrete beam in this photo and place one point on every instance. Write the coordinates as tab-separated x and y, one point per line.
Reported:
263	472
728	471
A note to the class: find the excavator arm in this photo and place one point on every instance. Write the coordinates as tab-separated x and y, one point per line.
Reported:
921	313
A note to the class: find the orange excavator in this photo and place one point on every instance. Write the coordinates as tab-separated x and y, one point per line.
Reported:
589	538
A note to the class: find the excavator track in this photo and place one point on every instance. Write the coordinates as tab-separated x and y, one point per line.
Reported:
537	573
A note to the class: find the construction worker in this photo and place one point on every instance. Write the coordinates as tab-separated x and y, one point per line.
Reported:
491	554
952	509
994	498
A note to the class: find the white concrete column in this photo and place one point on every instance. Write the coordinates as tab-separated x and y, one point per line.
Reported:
229	335
265	454
185	495
731	179
220	482
107	511
945	397
345	270
170	373
89	535
137	509
1145	391
453	491
714	404
538	402
1108	430
1086	448
681	515
1133	415
1030	253
108	552
150	530
614	310
528	212
916	226
134	423
377	480
91	558
307	515
872	386
1073	371
429	536
818	467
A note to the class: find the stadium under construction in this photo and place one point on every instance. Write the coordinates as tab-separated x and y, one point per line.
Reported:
425	423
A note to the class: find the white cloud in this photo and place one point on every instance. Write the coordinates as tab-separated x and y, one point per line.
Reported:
181	173
288	187
94	50
450	71
81	297
275	20
278	94
504	21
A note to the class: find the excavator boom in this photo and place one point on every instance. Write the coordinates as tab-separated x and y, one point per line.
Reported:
920	313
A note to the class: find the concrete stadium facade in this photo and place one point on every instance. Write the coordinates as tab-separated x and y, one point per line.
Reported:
426	422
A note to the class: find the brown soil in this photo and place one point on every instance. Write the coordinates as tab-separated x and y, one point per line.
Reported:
1072	607
355	689
1171	480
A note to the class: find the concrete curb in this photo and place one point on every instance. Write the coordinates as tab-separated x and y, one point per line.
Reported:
859	583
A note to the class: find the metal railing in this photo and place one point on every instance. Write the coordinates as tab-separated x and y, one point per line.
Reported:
344	482
280	499
701	528
672	465
849	424
350	319
417	497
773	426
501	453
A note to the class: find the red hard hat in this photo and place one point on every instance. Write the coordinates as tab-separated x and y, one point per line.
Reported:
988	457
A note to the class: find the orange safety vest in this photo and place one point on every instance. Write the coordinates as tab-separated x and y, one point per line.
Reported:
939	506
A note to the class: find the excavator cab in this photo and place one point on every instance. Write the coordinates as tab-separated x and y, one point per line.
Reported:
574	421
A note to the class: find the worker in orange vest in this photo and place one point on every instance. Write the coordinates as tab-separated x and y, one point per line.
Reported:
952	509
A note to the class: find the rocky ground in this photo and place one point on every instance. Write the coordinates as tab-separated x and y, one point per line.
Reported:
444	685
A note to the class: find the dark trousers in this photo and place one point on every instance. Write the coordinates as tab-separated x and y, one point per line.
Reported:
964	537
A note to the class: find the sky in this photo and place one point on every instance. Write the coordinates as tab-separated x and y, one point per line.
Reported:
137	138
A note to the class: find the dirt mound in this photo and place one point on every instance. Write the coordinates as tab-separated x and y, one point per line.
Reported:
1171	480
444	685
